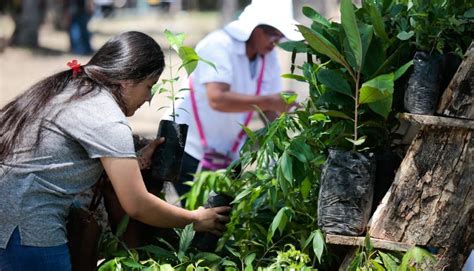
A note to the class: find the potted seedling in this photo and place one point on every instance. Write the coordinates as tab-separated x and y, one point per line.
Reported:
352	90
168	157
439	31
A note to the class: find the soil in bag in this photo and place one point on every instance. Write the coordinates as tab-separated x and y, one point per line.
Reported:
345	196
206	241
423	90
168	157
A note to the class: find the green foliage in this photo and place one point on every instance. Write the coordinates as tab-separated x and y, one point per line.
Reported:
275	196
435	25
351	92
189	61
367	258
153	257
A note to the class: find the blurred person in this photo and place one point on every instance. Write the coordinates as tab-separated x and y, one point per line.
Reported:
58	137
78	14
105	8
247	74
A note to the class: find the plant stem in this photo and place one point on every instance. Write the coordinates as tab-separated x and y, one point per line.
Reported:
172	88
356	110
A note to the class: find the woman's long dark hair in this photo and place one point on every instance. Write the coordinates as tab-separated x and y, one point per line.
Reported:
129	56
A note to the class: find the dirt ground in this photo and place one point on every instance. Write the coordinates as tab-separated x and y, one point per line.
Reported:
20	68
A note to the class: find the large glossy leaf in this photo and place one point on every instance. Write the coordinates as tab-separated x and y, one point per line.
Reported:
335	81
290	46
322	45
366	33
349	23
378	23
315	16
382	107
376	89
400	71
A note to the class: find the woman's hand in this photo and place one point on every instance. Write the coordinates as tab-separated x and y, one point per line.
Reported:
145	154
212	220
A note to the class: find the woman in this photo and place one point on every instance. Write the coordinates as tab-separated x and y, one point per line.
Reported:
56	139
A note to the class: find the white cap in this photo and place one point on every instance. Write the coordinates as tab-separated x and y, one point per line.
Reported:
275	13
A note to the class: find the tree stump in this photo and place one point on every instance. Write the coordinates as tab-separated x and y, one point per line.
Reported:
431	202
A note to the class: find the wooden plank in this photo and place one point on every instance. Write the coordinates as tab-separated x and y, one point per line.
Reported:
438	121
358	241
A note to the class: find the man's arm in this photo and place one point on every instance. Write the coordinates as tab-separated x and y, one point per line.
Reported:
222	99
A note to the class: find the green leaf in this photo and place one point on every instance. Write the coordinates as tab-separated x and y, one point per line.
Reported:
405	35
156	88
300	149
189	58
469	13
349	23
166	267
315	16
369	247
382	107
208	256
242	195
357	142
378	23
287	166
122	227
288	97
297	46
175	40
400	71
186	237
294	76
417	254
377	88
249	259
305	188
318	244
250	134
319	117
335	81
132	263
335	114
279	222
389	261
322	45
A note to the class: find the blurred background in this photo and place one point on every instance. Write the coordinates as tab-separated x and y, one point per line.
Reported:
34	39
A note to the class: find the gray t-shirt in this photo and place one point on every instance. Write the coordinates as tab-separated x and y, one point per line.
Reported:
38	184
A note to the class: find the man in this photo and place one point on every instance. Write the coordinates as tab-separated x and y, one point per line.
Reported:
247	74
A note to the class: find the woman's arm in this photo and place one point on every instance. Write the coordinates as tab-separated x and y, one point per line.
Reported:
138	203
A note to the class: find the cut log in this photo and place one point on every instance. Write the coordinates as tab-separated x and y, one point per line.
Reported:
431	201
458	98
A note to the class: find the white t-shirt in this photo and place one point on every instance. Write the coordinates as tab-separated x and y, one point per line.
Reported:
221	129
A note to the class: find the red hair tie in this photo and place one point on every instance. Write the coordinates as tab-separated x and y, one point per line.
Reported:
75	66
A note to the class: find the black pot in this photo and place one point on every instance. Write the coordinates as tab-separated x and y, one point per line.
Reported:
345	196
423	90
206	241
168	157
